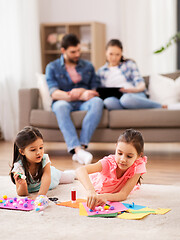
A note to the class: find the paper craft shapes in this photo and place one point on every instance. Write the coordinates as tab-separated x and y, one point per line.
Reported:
131	216
141	213
158	211
108	215
112	211
133	206
23	204
71	204
82	210
134	212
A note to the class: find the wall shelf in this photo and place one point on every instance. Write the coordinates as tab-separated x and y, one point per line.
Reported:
92	37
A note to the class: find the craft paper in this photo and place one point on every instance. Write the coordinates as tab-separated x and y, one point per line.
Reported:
110	215
82	212
71	204
133	216
162	210
141	213
133	206
19	206
151	210
118	207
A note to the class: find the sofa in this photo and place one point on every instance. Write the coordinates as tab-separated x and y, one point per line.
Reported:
156	125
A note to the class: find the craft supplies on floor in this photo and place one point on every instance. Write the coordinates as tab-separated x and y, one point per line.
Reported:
23	204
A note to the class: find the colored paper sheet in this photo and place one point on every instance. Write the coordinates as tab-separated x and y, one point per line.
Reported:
142	210
133	206
141	213
82	210
151	210
18	204
118	207
162	210
71	204
110	215
133	216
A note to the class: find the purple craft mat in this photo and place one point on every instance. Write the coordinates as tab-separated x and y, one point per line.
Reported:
19	206
118	207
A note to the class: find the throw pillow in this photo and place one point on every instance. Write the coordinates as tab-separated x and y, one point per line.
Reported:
177	85
44	91
163	89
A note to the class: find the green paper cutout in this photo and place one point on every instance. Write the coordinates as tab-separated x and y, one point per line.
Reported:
110	215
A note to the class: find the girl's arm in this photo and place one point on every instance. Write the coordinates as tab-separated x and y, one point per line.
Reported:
124	192
21	185
82	175
45	180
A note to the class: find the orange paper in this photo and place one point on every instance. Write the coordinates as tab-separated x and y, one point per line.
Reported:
71	204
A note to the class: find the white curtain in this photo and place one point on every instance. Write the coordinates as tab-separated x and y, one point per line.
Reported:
145	26
19	57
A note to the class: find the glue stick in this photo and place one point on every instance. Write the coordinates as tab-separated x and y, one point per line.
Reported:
73	195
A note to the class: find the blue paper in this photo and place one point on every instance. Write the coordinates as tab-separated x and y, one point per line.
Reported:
133	206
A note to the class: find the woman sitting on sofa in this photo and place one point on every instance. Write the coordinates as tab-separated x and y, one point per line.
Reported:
124	74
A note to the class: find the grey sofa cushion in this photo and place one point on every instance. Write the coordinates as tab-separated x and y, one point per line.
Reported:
47	119
144	118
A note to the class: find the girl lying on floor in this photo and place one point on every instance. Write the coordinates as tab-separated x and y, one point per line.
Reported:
115	176
31	169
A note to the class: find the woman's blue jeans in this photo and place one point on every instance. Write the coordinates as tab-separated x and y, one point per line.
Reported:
62	110
131	101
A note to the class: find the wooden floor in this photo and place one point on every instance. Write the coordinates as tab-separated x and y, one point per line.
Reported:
163	165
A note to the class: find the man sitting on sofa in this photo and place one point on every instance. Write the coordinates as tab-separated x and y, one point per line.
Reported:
72	83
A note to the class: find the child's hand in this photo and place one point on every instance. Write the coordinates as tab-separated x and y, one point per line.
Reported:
94	200
102	199
18	179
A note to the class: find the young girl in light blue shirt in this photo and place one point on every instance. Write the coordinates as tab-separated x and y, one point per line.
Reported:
30	162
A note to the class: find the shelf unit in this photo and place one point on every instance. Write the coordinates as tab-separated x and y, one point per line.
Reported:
92	36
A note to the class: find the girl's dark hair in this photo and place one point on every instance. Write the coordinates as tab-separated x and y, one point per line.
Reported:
135	138
117	43
69	40
25	137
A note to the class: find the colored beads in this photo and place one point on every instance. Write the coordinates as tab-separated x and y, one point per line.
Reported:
107	208
25	205
41	202
5	197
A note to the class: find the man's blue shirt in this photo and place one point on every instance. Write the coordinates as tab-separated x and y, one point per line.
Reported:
58	78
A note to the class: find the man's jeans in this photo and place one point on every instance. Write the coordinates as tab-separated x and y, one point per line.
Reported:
130	101
62	110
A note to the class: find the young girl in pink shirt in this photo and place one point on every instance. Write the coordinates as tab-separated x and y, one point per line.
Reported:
115	176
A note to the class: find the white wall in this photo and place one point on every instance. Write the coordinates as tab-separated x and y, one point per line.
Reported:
82	11
143	26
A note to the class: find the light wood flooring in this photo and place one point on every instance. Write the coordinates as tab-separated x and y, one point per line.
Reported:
163	165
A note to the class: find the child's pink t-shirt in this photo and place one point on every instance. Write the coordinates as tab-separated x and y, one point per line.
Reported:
106	181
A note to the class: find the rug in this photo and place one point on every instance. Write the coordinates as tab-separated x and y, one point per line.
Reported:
58	222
